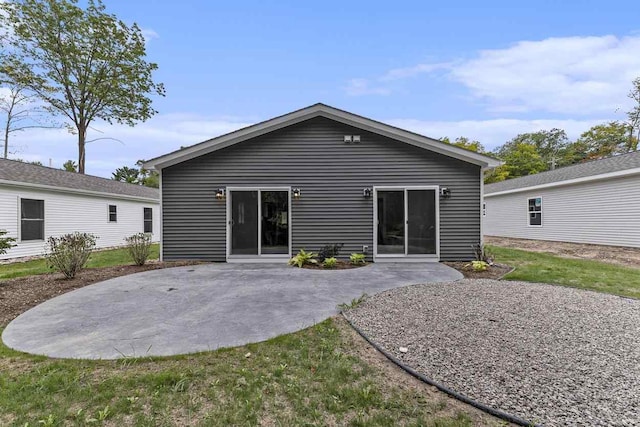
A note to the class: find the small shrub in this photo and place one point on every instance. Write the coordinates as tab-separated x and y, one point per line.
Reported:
70	252
329	251
357	259
303	258
481	253
139	247
479	265
6	243
330	262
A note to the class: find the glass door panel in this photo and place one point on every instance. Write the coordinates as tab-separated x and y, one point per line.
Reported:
244	222
421	220
275	222
391	221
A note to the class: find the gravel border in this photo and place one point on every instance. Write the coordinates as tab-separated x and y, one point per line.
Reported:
550	354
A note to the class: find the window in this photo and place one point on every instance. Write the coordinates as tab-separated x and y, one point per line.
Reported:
31	219
535	211
113	213
148	220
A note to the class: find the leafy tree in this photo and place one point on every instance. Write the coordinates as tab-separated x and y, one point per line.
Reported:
126	174
550	145
146	177
466	143
497	174
607	139
522	159
634	114
70	166
85	64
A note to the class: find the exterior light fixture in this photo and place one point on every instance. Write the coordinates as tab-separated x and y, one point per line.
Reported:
347	139
220	193
445	192
296	193
356	138
366	192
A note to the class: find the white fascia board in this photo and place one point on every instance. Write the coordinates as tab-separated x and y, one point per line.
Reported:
330	113
600	177
29	185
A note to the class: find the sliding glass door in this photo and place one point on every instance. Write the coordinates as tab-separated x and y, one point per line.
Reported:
259	222
407	221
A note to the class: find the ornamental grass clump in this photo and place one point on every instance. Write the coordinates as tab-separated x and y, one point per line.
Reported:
139	247
69	253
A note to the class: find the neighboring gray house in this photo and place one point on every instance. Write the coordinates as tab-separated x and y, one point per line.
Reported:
594	202
37	202
319	176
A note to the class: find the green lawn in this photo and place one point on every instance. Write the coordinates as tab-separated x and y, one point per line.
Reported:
312	377
98	259
579	273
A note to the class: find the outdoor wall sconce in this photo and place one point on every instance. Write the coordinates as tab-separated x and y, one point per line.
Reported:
445	192
366	192
296	193
220	193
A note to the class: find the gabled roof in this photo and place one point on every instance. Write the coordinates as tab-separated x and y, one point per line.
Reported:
620	165
22	174
320	110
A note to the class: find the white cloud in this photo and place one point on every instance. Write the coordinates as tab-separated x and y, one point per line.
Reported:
492	133
566	75
161	134
575	75
358	87
149	34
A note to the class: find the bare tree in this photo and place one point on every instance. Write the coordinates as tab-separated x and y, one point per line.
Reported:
21	112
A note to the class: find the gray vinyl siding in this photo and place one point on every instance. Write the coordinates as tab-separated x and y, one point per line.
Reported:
598	212
331	175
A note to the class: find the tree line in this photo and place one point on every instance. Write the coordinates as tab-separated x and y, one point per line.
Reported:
535	152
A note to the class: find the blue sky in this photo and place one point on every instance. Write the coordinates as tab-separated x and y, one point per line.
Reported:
485	70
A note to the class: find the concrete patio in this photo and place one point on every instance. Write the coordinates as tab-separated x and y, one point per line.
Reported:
198	308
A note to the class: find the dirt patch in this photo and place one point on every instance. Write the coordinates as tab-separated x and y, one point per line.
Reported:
495	271
629	257
340	265
20	294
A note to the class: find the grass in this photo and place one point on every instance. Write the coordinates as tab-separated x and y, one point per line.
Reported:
579	273
106	258
312	377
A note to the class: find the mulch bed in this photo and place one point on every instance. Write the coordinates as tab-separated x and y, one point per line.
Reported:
340	265
22	293
495	271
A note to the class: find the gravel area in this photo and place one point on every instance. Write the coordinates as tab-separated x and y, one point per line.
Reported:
549	354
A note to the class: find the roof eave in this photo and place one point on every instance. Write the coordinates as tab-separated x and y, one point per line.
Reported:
373	126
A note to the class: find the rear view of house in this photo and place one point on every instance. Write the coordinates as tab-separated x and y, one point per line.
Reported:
319	176
595	202
37	202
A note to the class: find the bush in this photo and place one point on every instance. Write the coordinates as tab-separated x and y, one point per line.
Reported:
303	258
479	265
70	252
6	243
481	253
329	251
139	247
330	262
357	259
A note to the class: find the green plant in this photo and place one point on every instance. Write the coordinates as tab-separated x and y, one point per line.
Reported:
303	258
354	302
6	243
482	253
70	252
139	247
479	265
329	251
330	262
356	259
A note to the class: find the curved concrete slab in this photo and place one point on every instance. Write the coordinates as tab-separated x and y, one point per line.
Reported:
197	308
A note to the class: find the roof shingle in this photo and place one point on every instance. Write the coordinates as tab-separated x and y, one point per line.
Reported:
12	170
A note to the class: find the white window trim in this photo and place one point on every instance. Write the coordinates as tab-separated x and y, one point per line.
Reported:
541	213
44	221
109	213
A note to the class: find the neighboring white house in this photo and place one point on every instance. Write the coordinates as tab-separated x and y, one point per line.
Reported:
37	202
595	202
